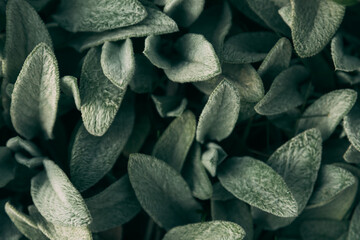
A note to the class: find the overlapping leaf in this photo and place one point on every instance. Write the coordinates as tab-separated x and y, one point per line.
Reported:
184	12
212	157
169	106
343	61
7	166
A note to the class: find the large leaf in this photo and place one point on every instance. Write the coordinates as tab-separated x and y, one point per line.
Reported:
313	24
7	166
323	229
156	23
283	94
57	199
98	16
114	206
207	230
327	111
219	116
162	192
257	184
351	126
118	62
92	157
343	61
184	12
174	144
354	228
100	98
38	80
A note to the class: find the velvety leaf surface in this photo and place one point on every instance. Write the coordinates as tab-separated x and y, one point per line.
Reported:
8	230
352	155
7	166
327	111
354	228
69	85
156	23
184	12
36	94
257	184
169	106
323	229
343	61
175	142
162	192
207	230
220	113
100	98
145	77
118	62
313	24
57	199
352	128
92	157
114	206
98	16
212	157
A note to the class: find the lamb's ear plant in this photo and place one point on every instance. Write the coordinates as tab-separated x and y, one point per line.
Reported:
179	120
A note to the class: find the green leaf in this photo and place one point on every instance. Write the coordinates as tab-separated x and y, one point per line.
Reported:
276	61
212	157
331	182
257	184
24	223
285	13
195	175
207	230
234	211
38	4
145	77
323	229
7	166
351	126
156	23
100	98
354	228
283	94
327	111
114	206
346	2
17	144
92	157
352	155
221	194
245	9
69	85
169	106
8	229
57	199
248	47
184	12
118	62
170	204
298	162
56	231
218	118
39	81
342	60
155	50
313	24
98	16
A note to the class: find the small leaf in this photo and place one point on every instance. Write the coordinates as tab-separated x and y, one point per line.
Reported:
351	126
118	62
17	144
170	204
212	157
184	12
257	184
195	174
39	81
248	47
354	228
98	16
283	94
327	111
55	231
218	118
57	199
69	85
24	223
114	206
29	162
169	106
100	98
285	13
7	166
323	229
313	24
154	50
343	61
352	155
8	230
156	23
92	157
207	230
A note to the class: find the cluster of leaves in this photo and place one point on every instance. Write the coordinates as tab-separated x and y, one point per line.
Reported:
180	119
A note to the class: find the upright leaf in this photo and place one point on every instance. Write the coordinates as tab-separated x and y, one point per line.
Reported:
98	16
212	157
174	144
100	98
313	24
118	62
327	111
207	230
218	118
257	184
162	192
38	80
343	61
57	199
8	230
184	12
69	85
92	157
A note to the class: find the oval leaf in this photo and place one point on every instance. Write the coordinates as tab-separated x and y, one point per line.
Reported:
352	126
184	12
343	61
257	184
170	204
69	85
352	155
39	81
